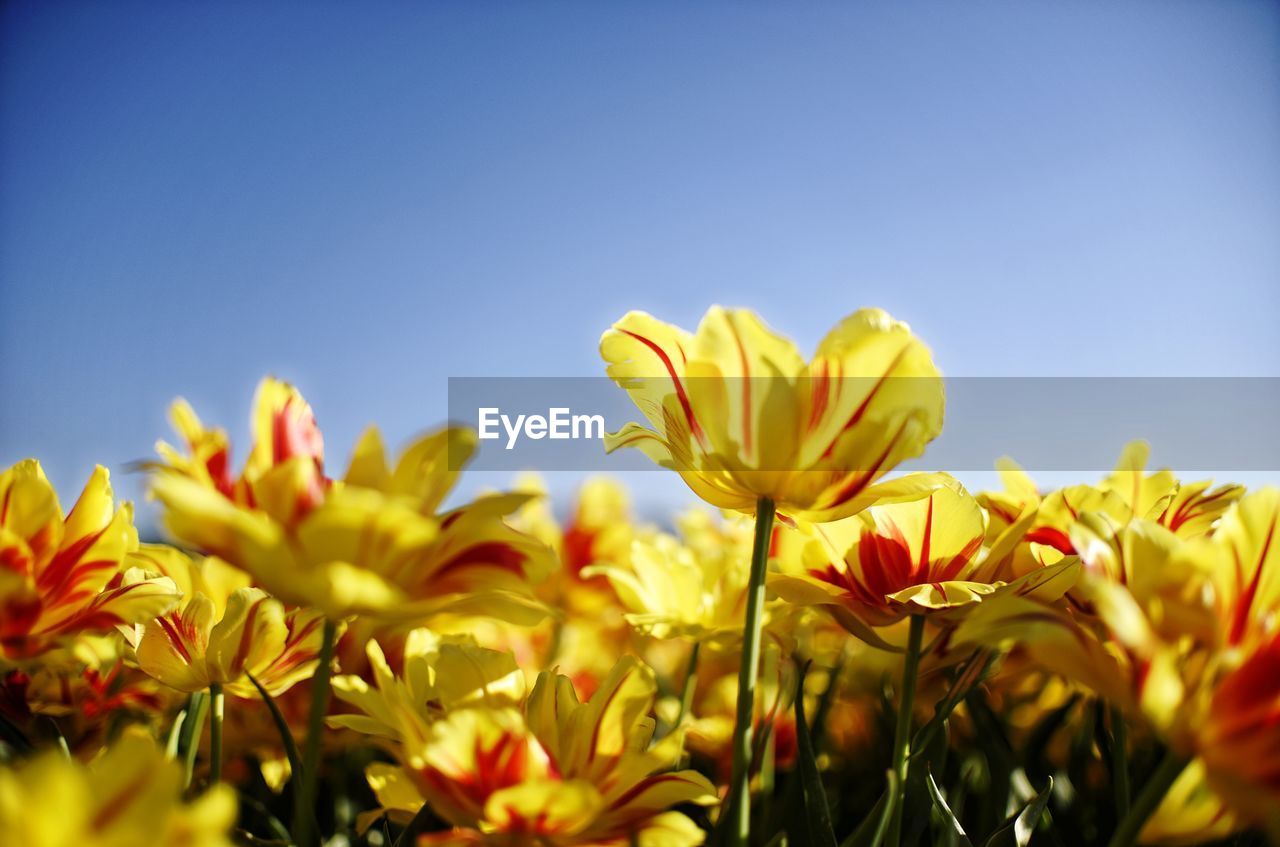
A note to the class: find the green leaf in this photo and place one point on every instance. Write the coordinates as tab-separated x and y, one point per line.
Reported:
810	824
971	673
189	735
1018	830
14	737
998	752
282	728
175	731
940	805
273	823
422	822
874	827
818	729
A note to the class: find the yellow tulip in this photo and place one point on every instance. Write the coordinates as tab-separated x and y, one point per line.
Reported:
439	676
752	427
916	557
1239	740
130	796
253	634
740	415
186	650
599	528
64	575
1189	510
1236	729
1242	562
589	634
1181	632
606	741
1122	633
558	771
693	586
372	543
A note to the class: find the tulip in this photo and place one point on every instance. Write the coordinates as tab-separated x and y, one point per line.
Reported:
740	415
130	795
223	637
752	427
370	544
692	586
504	768
61	576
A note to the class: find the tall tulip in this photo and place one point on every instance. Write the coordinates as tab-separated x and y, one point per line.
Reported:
751	426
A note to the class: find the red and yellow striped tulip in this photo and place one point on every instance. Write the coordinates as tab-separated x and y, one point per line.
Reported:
129	796
916	557
559	772
740	415
371	543
65	575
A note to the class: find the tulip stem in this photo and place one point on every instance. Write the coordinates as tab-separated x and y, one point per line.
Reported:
739	800
192	729
304	818
1148	800
216	709
1120	761
902	729
690	686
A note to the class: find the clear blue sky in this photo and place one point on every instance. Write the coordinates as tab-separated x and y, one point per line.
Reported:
369	198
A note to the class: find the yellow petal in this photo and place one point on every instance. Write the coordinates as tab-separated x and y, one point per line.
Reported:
742	376
429	468
393	788
670	829
1147	496
174	646
284	427
609	723
250	636
647	358
544	808
95	541
31	514
942	595
368	467
870	373
131	597
1248	579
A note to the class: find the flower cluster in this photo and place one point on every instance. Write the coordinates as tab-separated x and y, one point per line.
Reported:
826	650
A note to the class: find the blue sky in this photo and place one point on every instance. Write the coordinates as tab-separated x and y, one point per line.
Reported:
370	198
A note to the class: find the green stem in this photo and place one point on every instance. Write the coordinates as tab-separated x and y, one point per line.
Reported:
690	686
902	729
769	750
59	737
171	745
216	708
818	727
1167	772
305	834
1120	761
739	801
192	727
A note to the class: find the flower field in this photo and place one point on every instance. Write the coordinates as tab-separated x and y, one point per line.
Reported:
815	649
